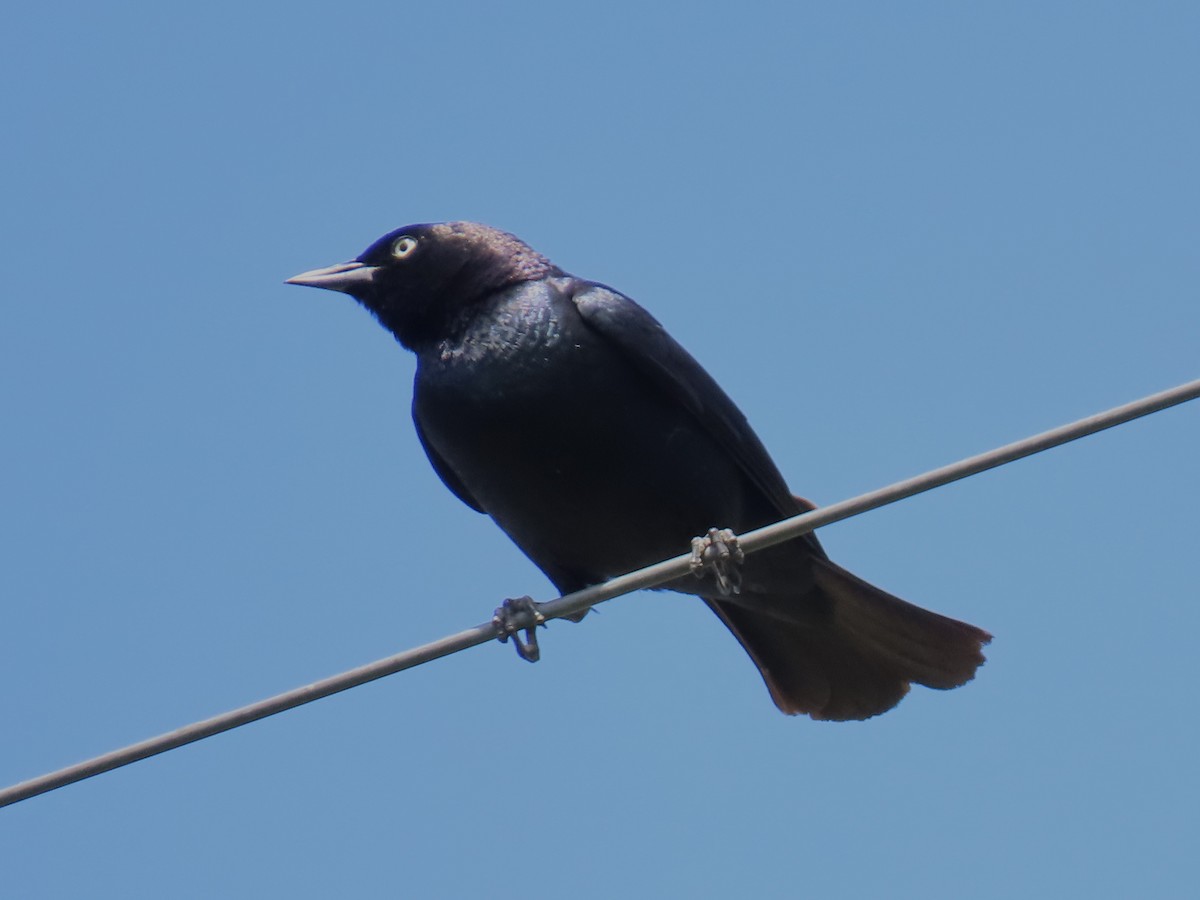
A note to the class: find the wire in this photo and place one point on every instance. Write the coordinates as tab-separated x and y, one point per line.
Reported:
573	604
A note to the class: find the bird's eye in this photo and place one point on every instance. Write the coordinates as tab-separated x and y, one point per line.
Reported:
403	246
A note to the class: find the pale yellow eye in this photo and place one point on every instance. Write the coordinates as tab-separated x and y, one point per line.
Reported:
403	246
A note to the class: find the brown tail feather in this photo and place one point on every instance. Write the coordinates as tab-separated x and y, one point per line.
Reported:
857	660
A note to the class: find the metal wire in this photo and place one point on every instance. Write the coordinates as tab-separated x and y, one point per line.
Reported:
573	604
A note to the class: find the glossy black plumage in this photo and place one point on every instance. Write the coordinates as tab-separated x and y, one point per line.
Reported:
565	411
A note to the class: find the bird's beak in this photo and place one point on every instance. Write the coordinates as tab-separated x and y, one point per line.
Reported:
347	277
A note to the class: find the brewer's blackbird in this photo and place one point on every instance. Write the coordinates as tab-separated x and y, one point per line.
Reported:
563	410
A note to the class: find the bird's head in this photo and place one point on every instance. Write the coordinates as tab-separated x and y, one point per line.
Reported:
421	279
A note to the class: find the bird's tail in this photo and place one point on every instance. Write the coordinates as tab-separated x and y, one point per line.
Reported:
851	650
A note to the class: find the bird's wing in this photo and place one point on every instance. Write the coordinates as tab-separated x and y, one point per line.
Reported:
444	472
671	369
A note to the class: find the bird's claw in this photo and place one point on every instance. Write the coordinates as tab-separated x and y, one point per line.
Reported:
520	614
719	552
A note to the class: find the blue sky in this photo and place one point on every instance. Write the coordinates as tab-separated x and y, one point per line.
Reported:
898	234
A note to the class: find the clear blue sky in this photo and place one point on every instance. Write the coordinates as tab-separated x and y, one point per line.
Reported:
898	234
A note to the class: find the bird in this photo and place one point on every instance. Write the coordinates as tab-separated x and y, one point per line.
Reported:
564	410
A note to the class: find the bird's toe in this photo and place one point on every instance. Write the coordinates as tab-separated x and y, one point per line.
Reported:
516	615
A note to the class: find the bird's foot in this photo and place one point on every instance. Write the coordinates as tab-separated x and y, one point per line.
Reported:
520	614
718	552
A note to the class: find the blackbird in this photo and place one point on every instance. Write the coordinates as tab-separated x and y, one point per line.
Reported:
563	410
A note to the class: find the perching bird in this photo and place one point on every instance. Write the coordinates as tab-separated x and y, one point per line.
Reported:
565	411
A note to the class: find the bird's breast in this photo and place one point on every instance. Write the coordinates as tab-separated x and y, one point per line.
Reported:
525	365
564	443
517	334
